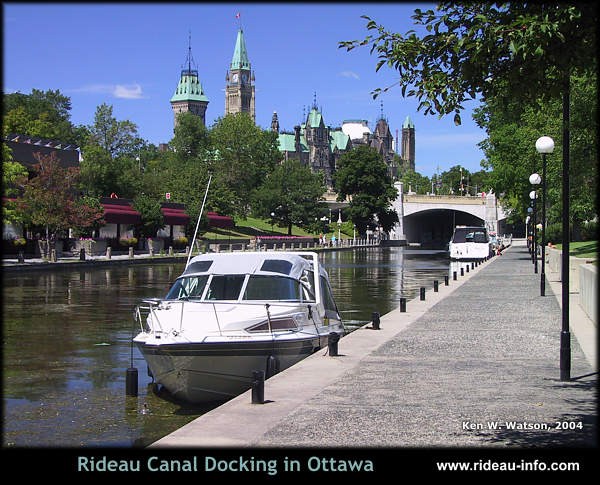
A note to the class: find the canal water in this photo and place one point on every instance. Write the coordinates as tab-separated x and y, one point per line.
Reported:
67	343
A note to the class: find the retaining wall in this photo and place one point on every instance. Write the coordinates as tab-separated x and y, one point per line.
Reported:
588	284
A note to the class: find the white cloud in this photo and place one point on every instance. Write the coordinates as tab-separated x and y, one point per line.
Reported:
349	74
125	91
131	91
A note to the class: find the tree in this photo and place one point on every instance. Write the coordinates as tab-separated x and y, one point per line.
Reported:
362	177
191	137
524	51
292	193
152	216
41	114
14	177
47	199
109	156
242	156
87	216
414	181
118	138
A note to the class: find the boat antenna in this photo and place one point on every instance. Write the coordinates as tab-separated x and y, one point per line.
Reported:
198	223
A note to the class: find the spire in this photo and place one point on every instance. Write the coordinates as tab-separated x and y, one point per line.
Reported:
240	55
189	60
408	123
189	87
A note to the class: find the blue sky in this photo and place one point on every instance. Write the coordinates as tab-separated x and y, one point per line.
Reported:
130	56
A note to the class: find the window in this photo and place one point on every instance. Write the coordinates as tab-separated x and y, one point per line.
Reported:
198	267
225	287
261	287
328	301
190	287
277	266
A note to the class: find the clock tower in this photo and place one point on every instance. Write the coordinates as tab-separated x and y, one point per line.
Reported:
239	90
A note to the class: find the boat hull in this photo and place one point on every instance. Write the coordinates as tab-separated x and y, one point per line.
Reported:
218	371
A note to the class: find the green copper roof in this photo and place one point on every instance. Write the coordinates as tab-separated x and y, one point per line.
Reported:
314	118
408	123
240	55
339	140
189	89
286	142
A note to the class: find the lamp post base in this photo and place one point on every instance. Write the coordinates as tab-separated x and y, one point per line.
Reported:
565	356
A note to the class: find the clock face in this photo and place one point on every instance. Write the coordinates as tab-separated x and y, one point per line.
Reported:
245	78
234	78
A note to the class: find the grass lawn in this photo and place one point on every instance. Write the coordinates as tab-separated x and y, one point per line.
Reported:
582	249
250	227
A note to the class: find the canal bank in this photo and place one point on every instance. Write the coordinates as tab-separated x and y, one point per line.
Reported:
475	364
69	262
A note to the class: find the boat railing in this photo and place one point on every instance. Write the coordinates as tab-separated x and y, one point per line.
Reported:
142	312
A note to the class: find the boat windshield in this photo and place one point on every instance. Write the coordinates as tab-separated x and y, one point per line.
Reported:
279	288
225	287
470	235
189	287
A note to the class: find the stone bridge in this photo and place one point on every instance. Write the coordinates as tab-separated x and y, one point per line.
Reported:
430	219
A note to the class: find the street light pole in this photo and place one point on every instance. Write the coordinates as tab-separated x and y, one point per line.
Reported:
544	145
533	196
565	335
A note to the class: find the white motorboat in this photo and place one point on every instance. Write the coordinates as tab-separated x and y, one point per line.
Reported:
470	243
230	314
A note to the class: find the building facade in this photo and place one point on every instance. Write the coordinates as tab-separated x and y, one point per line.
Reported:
314	143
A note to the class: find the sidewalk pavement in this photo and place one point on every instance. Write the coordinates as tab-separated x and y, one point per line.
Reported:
474	365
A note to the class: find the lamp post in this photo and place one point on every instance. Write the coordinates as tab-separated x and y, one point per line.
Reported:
533	196
544	145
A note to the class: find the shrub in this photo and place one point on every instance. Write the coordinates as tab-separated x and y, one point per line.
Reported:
19	241
128	241
180	241
589	231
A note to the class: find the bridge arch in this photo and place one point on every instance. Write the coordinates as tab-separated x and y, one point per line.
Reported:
434	227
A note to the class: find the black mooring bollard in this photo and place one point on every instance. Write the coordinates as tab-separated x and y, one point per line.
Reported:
332	344
454	275
467	268
131	382
272	366
446	280
375	318
82	254
435	285
403	304
462	271
422	291
258	387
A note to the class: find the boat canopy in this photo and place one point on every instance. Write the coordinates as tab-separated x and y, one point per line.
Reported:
266	263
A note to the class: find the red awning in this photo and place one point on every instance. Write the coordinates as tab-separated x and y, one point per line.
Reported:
215	220
121	214
174	217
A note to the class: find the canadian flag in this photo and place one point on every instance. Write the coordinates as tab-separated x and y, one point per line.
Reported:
238	15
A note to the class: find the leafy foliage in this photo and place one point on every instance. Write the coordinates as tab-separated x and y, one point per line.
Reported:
292	193
487	49
362	178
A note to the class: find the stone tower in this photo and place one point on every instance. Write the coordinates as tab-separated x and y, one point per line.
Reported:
189	95
239	91
408	143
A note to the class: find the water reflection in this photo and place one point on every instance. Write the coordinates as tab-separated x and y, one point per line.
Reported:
67	343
